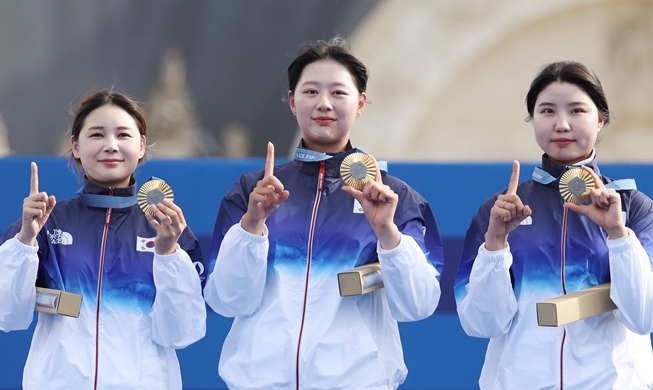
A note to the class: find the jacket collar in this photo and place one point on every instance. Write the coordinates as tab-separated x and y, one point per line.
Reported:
95	195
332	162
556	171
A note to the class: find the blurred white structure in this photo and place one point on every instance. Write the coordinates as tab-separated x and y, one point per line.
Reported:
4	139
449	77
173	127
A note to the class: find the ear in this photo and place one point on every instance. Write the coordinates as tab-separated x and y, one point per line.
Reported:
601	122
141	153
75	147
291	102
361	103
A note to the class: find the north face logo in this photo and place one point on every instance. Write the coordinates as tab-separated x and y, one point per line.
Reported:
60	237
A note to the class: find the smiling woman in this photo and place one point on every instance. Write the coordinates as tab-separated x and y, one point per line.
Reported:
527	244
283	234
140	302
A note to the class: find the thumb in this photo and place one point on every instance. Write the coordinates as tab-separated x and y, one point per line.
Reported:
358	195
580	209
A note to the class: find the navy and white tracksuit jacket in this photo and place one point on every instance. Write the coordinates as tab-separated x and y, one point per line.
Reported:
292	330
556	252
137	306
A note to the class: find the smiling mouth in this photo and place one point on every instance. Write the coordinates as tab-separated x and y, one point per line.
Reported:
562	142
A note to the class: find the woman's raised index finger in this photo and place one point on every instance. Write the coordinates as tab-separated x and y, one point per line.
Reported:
514	179
269	160
34	180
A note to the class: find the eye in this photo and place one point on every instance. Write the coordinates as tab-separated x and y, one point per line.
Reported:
577	111
311	92
546	110
124	135
95	135
338	92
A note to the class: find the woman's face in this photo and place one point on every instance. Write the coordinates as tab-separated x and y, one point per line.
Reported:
566	123
326	103
109	146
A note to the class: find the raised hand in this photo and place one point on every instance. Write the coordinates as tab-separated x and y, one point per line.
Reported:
604	208
379	203
506	214
268	195
36	210
169	224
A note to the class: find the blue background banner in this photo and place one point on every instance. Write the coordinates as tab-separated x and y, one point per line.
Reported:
437	352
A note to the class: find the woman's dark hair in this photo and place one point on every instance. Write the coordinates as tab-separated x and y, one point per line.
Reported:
573	73
106	98
336	49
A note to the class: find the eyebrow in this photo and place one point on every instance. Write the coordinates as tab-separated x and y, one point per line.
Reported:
549	104
102	128
309	82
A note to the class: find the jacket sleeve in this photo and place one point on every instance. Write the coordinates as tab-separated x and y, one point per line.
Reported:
631	261
19	265
178	313
632	283
488	304
412	270
410	282
236	285
485	298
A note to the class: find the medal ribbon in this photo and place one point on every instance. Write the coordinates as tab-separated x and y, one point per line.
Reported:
543	177
107	201
305	155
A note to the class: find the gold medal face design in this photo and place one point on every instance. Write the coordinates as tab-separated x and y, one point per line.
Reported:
357	169
576	185
153	192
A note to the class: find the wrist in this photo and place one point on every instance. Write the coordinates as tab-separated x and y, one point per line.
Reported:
617	233
494	243
252	226
389	236
29	241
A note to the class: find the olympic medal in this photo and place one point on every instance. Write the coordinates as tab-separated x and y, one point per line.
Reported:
153	192
575	185
357	169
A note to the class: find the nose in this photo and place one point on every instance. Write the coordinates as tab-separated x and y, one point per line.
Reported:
324	103
111	144
562	125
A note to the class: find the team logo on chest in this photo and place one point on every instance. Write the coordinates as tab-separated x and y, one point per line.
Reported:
58	236
144	244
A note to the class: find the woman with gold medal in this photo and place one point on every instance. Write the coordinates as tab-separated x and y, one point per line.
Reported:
284	233
567	229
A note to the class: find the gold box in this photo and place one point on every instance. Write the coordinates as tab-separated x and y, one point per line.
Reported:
58	302
360	280
575	306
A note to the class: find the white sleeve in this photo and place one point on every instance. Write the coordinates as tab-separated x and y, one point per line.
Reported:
489	306
410	281
632	283
178	313
236	285
19	265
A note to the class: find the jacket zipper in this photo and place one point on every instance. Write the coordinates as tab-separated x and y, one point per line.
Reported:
311	232
107	221
564	287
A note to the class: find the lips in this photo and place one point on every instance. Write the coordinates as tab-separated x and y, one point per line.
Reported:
323	120
562	141
111	162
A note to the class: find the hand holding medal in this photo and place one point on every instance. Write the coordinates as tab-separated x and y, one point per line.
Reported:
362	177
604	208
155	198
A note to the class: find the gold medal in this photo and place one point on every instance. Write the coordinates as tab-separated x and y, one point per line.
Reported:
357	169
575	185
153	192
